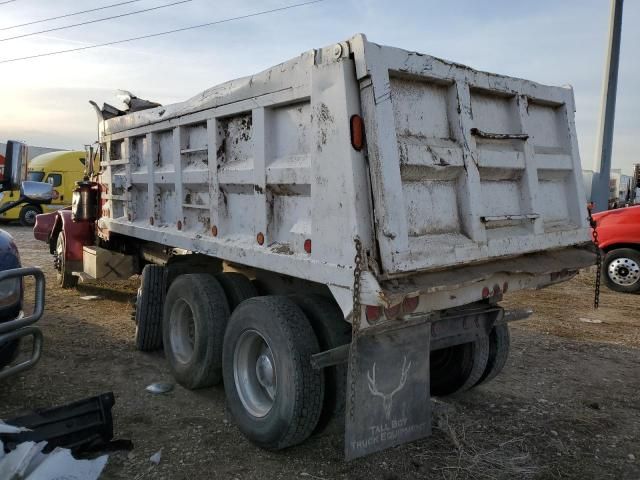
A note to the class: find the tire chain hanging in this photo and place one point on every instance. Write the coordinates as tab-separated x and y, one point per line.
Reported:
594	235
356	315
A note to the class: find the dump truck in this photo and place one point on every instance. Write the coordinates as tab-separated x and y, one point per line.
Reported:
332	237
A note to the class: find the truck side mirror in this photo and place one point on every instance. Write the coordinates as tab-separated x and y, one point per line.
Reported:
15	165
40	192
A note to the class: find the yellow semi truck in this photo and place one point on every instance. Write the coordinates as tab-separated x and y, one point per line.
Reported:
62	170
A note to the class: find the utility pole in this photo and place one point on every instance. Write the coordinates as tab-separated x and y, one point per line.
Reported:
602	173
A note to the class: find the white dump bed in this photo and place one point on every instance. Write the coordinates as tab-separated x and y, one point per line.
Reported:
460	166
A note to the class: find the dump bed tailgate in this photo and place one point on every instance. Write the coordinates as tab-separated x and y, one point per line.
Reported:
465	165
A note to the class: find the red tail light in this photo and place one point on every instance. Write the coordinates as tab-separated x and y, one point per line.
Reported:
410	304
307	245
357	132
373	312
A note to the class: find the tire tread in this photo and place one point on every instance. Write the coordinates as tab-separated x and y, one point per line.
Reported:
237	287
499	343
148	313
65	279
480	359
332	331
470	364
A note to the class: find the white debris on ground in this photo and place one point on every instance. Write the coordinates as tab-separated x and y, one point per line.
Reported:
159	387
5	428
155	458
27	462
590	320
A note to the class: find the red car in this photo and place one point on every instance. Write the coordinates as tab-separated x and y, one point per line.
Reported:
619	237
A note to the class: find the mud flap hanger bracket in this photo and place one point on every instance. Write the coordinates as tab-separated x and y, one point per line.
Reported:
441	336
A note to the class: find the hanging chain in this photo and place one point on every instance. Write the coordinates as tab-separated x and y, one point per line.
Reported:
593	224
356	314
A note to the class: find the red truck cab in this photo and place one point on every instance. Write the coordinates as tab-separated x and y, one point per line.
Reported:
619	237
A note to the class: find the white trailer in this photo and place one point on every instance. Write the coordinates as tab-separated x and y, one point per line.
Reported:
381	201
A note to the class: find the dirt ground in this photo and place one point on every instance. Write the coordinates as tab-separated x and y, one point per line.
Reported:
567	404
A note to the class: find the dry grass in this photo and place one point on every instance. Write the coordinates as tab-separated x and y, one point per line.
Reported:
461	458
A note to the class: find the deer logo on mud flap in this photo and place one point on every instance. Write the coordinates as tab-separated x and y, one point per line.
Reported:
387	398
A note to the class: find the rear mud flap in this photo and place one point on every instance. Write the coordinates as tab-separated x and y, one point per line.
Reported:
389	403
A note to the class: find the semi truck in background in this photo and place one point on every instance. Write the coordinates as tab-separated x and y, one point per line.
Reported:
62	170
332	237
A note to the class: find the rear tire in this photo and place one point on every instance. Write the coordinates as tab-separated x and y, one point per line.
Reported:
458	368
273	393
191	263
621	270
28	215
65	279
332	331
148	308
194	321
237	287
499	343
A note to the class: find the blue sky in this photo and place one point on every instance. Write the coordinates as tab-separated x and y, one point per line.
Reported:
44	101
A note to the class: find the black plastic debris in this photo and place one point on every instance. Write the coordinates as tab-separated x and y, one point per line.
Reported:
82	426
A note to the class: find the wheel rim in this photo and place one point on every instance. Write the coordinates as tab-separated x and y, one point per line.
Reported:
254	371
30	217
624	271
182	331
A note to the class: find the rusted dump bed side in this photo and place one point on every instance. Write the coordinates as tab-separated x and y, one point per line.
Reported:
259	171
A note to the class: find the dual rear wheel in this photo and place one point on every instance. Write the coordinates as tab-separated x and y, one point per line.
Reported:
216	328
461	367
